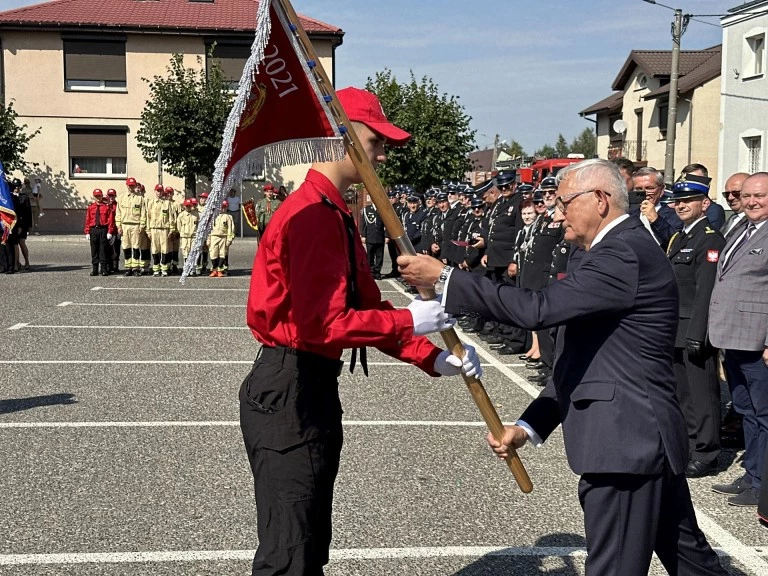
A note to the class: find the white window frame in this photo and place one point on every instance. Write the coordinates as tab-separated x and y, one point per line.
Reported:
92	175
744	150
751	67
93	86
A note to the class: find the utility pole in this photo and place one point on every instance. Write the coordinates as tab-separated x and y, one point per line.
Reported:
159	166
669	158
495	151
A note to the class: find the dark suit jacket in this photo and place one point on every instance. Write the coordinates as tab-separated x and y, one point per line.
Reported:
666	224
612	386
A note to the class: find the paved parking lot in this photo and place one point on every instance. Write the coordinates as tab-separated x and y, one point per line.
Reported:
121	453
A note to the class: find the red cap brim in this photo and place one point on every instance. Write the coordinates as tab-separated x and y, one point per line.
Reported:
393	135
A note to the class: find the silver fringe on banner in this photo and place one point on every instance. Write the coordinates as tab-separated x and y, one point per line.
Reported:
286	153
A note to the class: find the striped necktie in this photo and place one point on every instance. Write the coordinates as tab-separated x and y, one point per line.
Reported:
740	244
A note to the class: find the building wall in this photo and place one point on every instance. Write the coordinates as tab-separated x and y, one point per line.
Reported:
744	106
34	80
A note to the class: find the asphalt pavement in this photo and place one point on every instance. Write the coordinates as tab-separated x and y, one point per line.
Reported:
121	453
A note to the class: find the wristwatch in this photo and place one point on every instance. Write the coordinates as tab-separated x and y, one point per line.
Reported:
439	286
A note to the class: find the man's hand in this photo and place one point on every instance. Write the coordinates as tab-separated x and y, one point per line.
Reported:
479	244
649	210
419	270
120	231
429	317
447	364
109	236
514	436
765	356
87	236
484	260
435	248
512	270
386	240
695	348
362	239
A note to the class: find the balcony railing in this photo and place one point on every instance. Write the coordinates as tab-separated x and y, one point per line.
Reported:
634	150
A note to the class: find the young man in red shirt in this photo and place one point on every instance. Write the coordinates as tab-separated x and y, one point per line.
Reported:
99	229
312	295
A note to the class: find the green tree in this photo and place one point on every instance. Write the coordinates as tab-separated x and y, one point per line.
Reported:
13	139
561	147
546	151
514	148
441	140
184	119
584	143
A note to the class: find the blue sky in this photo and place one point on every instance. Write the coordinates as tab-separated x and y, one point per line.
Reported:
521	69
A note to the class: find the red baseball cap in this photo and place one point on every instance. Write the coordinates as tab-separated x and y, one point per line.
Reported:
363	106
269	187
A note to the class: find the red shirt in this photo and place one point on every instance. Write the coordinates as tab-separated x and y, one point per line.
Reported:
298	293
106	217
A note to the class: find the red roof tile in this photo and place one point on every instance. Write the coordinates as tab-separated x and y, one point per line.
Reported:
227	15
657	63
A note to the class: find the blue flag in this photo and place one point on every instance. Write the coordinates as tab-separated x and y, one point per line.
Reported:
7	213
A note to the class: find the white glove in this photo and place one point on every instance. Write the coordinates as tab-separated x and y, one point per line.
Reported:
87	236
429	317
447	364
109	236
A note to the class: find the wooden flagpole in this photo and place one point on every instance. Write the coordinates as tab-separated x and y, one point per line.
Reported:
397	234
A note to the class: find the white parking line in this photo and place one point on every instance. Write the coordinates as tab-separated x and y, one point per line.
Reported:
231	423
731	545
140	288
18	326
115	327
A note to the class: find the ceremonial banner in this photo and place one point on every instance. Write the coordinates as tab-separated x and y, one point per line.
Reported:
279	116
249	211
7	213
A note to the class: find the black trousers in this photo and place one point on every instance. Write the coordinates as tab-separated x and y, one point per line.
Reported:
393	254
515	337
99	247
375	257
698	389
290	417
628	517
547	345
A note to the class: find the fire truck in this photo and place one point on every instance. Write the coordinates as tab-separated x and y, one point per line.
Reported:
540	169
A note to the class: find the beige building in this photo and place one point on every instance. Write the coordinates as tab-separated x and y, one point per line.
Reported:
75	70
632	122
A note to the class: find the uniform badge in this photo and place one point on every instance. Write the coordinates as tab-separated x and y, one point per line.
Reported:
563	250
713	255
686	250
554	225
756	251
510	210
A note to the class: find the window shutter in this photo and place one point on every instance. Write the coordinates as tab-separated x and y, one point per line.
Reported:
94	60
98	144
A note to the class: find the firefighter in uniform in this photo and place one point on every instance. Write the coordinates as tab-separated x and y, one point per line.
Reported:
161	222
145	261
373	235
266	207
547	234
202	263
694	253
131	221
186	227
500	253
99	229
176	209
391	248
222	235
114	247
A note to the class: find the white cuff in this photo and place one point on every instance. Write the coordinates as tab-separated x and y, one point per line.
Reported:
444	295
534	438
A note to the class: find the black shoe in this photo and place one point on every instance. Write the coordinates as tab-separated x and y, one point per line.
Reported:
377	276
524	357
507	351
104	273
498	346
129	272
493	339
696	469
94	272
734	488
750	497
538	365
471	329
540	378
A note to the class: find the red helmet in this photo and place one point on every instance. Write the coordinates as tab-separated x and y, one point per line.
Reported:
194	201
224	204
158	188
188	203
169	189
204	195
111	192
98	192
268	187
131	182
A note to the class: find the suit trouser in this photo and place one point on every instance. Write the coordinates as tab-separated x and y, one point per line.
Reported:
628	517
393	254
547	345
514	336
99	247
698	390
748	382
375	256
290	416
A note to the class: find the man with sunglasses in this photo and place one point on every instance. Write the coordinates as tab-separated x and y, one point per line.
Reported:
732	195
612	385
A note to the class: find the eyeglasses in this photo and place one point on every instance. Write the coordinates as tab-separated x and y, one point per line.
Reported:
562	205
548	192
734	193
647	189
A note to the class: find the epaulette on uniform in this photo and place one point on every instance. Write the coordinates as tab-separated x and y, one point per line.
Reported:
708	230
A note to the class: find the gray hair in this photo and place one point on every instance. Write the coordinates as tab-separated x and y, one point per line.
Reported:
648	171
590	172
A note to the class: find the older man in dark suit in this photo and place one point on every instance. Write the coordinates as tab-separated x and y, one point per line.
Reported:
612	387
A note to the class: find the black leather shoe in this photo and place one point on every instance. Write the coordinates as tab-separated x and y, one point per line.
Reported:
471	329
750	497
535	365
734	488
507	351
494	340
540	378
696	469
498	346
129	272
524	357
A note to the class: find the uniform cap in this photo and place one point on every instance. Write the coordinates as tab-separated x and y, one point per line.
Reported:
525	189
477	202
130	182
505	178
538	197
111	192
549	183
268	187
98	192
688	189
363	106
484	187
204	195
194	201
442	197
158	188
414	198
169	190
224	204
188	203
392	193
